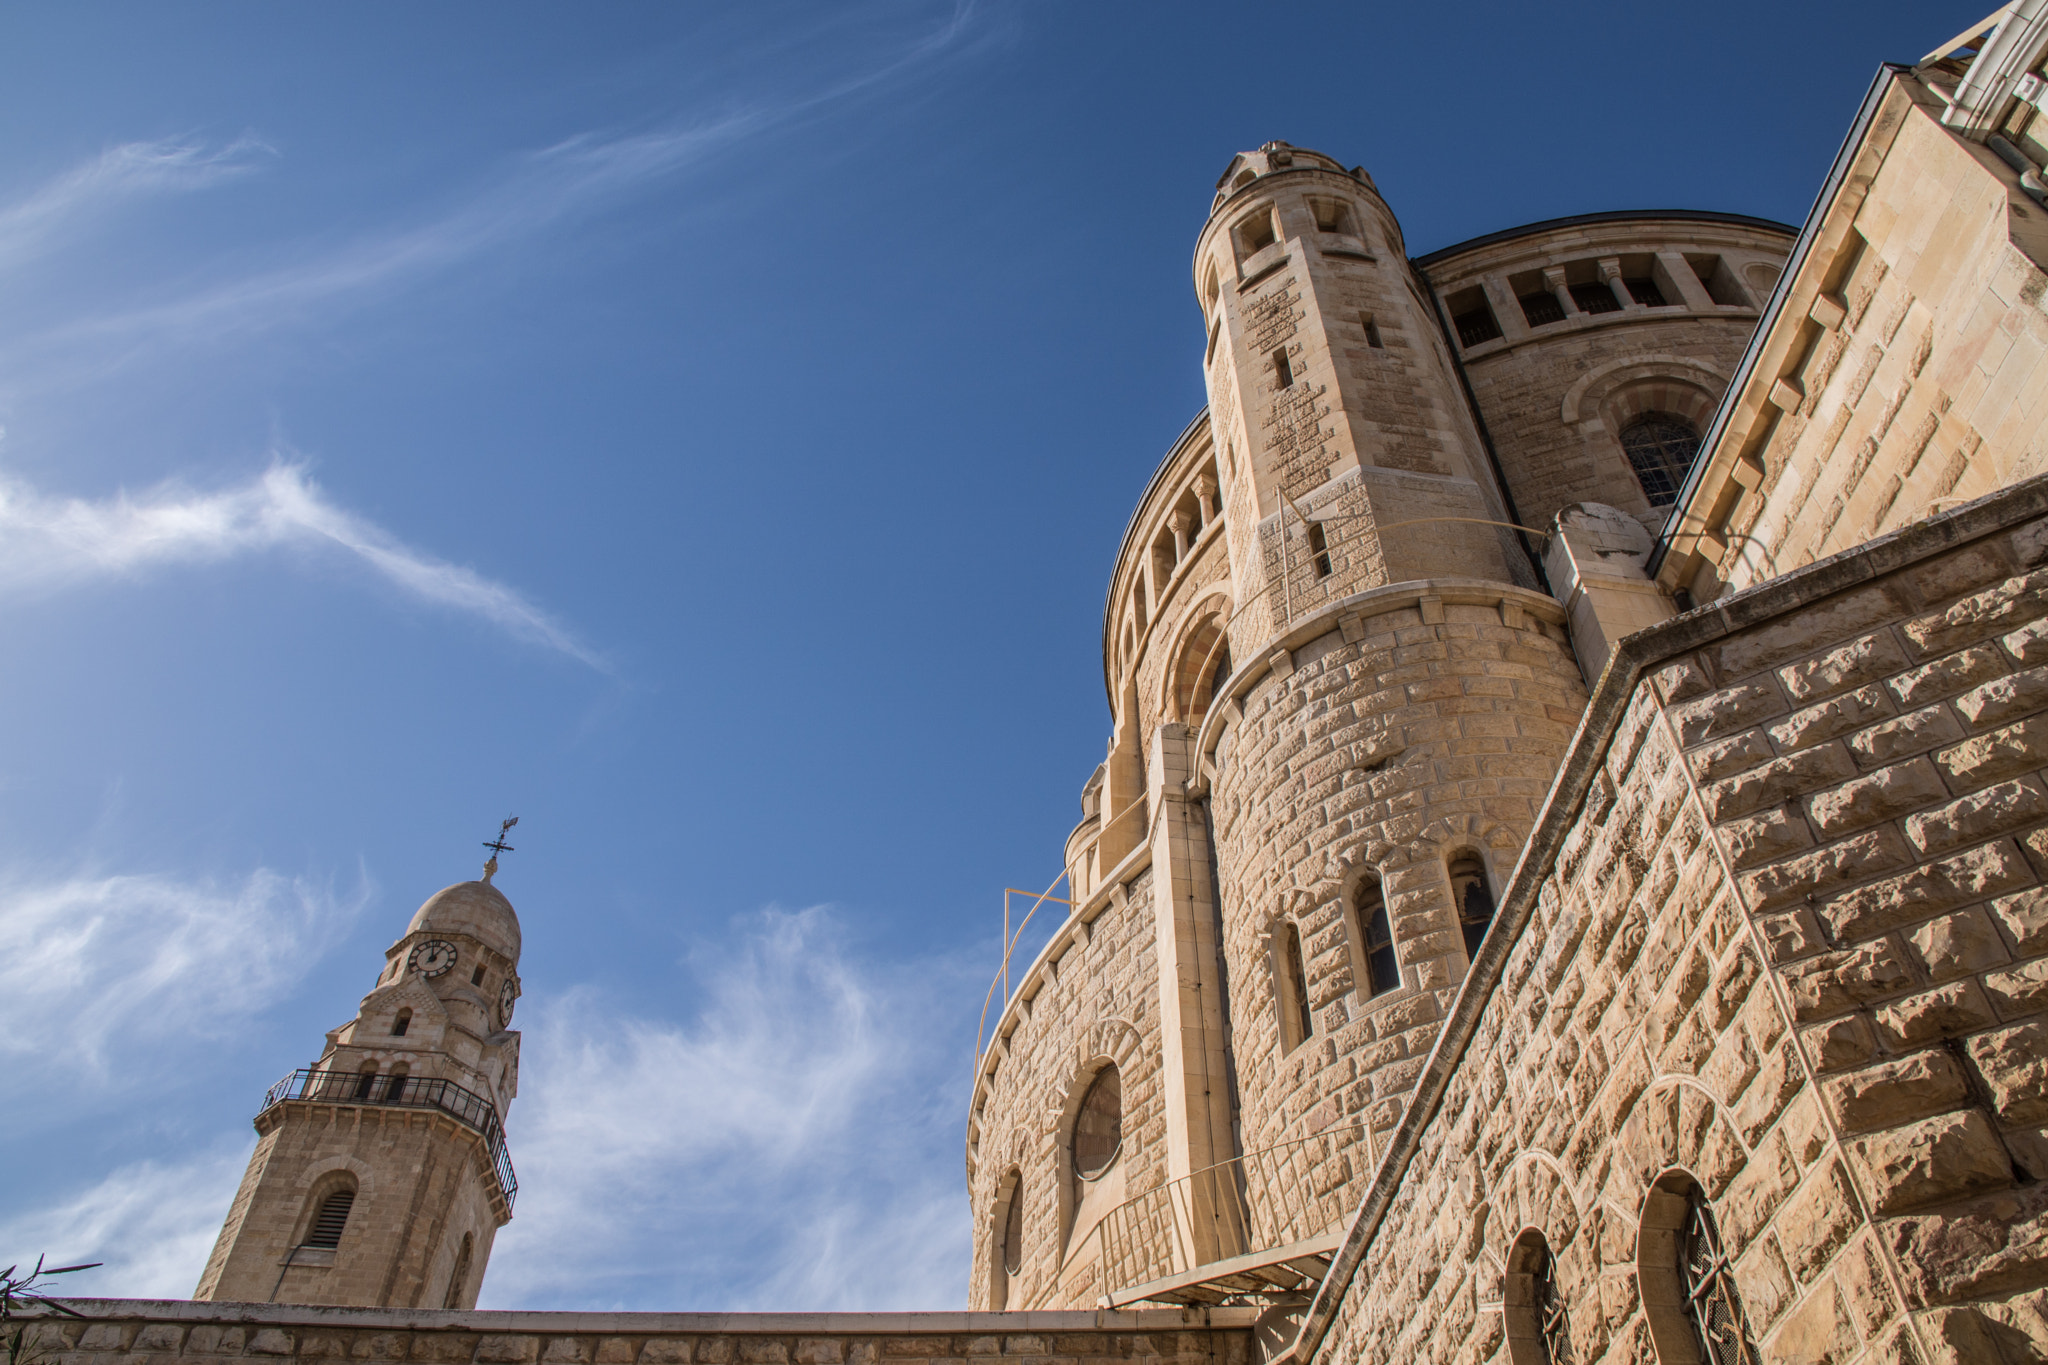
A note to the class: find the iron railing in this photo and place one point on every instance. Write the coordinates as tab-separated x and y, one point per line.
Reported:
404	1092
1272	1197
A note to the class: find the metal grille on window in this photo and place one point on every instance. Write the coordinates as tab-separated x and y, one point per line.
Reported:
1711	1305
1541	309
1645	292
332	1218
1595	298
1660	448
1476	326
1550	1314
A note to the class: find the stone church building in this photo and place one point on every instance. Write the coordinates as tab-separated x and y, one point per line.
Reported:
1566	879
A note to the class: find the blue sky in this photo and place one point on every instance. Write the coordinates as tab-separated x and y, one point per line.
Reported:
703	431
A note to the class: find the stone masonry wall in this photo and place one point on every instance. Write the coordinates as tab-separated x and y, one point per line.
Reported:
1098	1000
1410	728
136	1332
1791	943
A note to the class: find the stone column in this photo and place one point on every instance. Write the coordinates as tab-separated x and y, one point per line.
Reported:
1205	491
1553	280
1610	275
1181	523
1195	1064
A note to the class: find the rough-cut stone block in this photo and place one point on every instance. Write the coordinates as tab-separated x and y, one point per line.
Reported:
1883	795
2004	699
1847	1041
506	1349
1777	780
666	1351
2011	602
2021	990
1915	733
1851	665
1992	1245
2002	753
1835	983
2028	644
269	1341
567	1351
1836	716
2024	916
1980	815
2014	1063
1897	1092
1945	1157
1958	945
832	1351
1813	874
1714	761
1946	677
1765	838
1926	890
1725	712
1945	1012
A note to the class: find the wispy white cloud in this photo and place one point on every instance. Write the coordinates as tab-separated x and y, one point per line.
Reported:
125	171
795	1146
152	1225
50	542
92	963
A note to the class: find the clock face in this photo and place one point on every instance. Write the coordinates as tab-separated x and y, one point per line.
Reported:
432	958
506	995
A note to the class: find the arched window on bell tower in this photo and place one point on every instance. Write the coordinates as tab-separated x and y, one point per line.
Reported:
330	1219
1472	895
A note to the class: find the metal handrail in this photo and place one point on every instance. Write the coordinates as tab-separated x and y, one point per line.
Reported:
404	1092
1272	1197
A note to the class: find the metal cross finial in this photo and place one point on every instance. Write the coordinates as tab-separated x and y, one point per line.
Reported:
497	846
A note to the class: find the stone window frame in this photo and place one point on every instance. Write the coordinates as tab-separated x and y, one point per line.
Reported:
1114	1046
1179	686
1363	996
1640	395
1009	1187
1530	1323
1479	848
1660	1286
319	1186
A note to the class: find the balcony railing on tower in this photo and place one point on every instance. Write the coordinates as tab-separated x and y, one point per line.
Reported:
404	1092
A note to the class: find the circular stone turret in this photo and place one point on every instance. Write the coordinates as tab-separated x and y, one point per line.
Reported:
476	909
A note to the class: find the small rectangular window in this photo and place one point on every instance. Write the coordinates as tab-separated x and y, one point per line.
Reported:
1541	309
1718	280
1283	370
1215	331
1255	233
1372	331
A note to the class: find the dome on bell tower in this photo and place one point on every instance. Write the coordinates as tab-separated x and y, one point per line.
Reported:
477	909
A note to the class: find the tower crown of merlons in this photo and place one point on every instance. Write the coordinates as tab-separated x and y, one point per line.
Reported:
1277	158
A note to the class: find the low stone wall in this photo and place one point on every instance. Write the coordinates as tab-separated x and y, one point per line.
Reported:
176	1332
1780	936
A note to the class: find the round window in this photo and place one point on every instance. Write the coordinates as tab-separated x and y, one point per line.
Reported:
1099	1127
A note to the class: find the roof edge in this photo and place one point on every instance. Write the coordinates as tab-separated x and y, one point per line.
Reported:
1610	216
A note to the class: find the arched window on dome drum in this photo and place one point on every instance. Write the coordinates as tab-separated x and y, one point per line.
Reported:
1711	1303
459	1277
325	1234
1013	1230
1473	897
1538	1328
1382	967
1661	447
1099	1126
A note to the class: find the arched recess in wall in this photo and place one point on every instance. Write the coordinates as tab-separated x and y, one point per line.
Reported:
1201	662
1006	1240
458	1278
1686	1278
326	1213
1376	962
1532	1306
1092	1141
1295	1013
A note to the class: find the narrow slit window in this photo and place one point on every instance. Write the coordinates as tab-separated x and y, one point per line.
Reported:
1300	1020
366	1082
1382	967
459	1277
1319	549
401	1023
1473	898
332	1218
1372	332
476	978
1013	1231
1283	370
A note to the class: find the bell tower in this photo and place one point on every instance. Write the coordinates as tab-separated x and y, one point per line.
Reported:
1347	451
381	1174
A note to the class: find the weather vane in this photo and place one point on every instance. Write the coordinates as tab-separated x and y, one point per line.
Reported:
497	846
